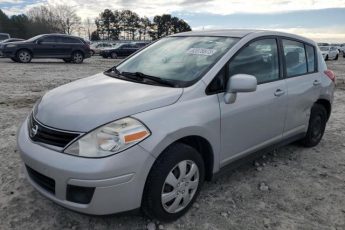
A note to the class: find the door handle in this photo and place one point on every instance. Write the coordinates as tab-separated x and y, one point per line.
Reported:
279	92
316	83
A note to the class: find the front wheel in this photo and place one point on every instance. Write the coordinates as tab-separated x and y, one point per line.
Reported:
336	57
326	59
173	183
77	57
317	125
24	56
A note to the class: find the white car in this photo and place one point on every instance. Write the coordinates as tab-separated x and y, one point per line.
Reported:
329	52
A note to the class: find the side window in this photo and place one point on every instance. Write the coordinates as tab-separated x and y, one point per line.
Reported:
48	39
295	59
311	58
259	58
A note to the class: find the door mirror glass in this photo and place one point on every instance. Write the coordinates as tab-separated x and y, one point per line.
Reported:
239	83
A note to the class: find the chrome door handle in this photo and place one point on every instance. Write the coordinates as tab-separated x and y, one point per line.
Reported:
279	92
316	82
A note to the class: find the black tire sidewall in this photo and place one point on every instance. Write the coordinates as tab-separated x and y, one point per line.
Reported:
174	154
317	110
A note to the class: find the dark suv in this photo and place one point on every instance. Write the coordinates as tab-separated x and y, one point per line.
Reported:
120	50
69	48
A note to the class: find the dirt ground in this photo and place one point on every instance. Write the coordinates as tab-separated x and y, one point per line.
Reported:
293	188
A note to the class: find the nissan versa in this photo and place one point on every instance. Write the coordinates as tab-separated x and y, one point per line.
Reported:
148	132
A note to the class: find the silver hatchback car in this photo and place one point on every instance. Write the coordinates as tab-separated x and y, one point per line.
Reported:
148	132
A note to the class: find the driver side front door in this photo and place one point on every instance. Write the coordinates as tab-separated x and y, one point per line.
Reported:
256	119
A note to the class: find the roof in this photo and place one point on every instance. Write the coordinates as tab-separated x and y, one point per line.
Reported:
227	33
237	33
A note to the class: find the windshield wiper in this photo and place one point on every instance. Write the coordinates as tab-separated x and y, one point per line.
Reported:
141	76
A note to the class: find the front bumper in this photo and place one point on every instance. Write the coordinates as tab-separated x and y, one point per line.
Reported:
118	180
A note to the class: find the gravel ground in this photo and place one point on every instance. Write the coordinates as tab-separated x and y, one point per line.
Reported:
292	188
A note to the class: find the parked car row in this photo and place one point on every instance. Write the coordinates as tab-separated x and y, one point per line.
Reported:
332	51
61	46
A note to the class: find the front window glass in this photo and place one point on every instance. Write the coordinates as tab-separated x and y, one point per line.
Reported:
180	59
3	36
260	59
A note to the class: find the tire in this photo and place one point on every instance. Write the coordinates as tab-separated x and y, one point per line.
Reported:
336	57
24	56
113	55
316	127
67	60
77	57
14	59
92	52
186	188
326	59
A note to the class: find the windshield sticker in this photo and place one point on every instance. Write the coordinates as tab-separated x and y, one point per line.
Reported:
201	51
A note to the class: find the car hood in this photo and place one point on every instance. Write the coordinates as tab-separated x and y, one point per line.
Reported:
90	102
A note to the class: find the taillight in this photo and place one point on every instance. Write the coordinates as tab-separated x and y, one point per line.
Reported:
330	74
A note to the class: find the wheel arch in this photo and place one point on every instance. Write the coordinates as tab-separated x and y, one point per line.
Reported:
24	48
204	148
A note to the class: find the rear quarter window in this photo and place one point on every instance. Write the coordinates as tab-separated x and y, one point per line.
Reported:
311	58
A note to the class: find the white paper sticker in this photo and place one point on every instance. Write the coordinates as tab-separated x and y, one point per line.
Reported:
201	51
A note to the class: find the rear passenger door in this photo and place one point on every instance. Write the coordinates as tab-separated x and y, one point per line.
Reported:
303	83
256	119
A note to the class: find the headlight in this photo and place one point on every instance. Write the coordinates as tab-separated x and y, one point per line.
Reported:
10	45
109	139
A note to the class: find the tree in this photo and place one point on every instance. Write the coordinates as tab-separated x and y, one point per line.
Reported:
95	36
67	18
88	27
165	25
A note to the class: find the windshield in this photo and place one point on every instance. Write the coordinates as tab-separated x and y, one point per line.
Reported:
180	59
323	48
34	38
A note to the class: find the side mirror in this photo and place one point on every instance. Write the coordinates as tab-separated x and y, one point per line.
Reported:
39	42
239	83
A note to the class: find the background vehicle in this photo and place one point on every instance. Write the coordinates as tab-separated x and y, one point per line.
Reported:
98	47
223	95
12	40
69	48
329	52
4	36
120	50
141	44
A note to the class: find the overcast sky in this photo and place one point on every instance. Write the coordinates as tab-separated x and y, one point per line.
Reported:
322	20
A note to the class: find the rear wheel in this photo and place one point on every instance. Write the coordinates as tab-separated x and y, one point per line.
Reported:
326	58
78	57
317	125
174	183
24	56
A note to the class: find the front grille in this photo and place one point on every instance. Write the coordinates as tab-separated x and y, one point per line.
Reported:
43	181
43	134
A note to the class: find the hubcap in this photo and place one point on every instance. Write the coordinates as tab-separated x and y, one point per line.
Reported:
24	56
78	57
180	186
